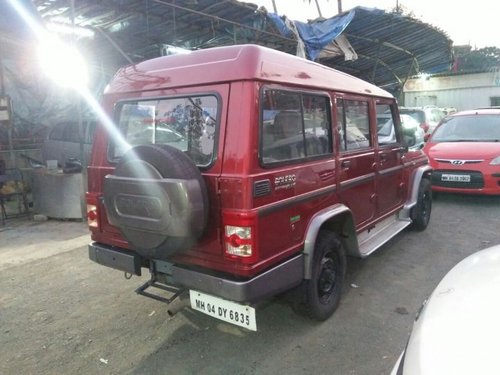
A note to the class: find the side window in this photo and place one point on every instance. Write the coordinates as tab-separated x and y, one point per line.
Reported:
57	132
386	131
89	131
294	126
70	133
353	124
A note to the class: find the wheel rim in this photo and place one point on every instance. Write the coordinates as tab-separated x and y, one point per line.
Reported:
327	278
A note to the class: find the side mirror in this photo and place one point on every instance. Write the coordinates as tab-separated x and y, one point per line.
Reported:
410	140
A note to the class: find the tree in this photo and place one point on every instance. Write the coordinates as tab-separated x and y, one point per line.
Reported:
482	59
403	10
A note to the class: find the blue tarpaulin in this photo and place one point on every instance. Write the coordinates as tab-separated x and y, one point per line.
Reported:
317	35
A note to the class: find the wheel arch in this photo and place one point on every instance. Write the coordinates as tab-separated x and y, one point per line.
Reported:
337	218
418	174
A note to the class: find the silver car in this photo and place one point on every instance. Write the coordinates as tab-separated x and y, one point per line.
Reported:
63	142
458	328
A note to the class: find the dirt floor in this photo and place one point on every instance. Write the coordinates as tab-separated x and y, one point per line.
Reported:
60	313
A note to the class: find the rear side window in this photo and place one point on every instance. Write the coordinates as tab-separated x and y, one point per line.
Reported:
294	126
186	123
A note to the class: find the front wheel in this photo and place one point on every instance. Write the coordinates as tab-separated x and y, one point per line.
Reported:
421	213
323	291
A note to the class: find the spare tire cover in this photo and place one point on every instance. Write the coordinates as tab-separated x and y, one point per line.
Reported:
157	197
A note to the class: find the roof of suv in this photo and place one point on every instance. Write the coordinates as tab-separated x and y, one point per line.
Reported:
241	62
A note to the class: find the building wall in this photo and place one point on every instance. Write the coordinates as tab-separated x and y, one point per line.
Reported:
466	91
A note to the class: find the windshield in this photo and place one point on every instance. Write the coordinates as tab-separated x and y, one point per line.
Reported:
474	128
418	115
187	123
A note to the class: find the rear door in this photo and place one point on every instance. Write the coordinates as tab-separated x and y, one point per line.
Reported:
296	165
192	120
357	161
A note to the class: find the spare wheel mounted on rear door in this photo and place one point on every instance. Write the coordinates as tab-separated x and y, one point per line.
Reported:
158	199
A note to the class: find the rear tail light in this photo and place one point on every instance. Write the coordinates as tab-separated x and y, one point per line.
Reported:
240	238
238	241
92	214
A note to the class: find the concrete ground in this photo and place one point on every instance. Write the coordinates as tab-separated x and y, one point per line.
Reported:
60	313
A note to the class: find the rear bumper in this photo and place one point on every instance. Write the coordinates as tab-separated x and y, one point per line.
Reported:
271	282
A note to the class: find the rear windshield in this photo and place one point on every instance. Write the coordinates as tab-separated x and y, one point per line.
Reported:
186	123
418	115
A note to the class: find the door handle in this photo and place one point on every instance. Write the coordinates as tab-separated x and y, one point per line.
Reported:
345	164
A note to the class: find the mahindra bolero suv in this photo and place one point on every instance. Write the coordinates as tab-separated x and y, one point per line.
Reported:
233	174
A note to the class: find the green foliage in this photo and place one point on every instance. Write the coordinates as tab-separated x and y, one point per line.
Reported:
403	11
482	59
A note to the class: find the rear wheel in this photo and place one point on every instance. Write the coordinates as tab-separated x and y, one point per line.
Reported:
321	294
421	213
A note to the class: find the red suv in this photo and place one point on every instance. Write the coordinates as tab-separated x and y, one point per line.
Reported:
237	173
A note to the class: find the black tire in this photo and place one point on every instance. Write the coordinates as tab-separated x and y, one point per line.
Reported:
323	291
421	213
154	162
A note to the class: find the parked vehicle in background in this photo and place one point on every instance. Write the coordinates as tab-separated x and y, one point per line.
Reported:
449	110
412	132
63	141
242	172
464	152
428	117
456	331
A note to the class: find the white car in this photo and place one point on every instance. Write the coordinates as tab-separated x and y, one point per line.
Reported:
458	328
414	134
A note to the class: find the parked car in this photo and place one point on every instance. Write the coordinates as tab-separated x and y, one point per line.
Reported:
63	142
274	180
465	153
158	134
412	132
457	329
428	117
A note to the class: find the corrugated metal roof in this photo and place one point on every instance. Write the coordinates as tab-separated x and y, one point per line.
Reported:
390	47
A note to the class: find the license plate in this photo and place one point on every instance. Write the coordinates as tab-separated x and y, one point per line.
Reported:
228	311
455	177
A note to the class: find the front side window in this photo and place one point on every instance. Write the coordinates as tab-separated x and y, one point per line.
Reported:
294	126
386	131
186	123
353	124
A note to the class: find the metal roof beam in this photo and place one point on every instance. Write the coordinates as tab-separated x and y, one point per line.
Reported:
388	45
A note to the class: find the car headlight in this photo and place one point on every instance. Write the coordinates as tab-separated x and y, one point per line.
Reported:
495	161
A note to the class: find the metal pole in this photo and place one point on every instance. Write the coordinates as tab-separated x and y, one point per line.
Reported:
81	132
274	7
339	4
319	9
